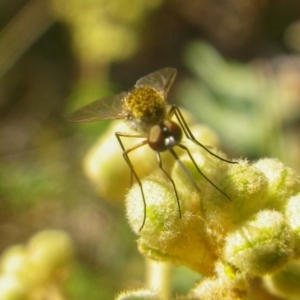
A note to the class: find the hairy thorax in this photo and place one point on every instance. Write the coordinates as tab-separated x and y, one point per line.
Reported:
144	107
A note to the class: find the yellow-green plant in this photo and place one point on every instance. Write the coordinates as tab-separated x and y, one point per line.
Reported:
255	233
38	269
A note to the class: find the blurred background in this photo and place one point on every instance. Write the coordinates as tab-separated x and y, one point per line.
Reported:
239	73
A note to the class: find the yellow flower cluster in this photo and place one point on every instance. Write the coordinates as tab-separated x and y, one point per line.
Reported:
36	270
254	233
251	229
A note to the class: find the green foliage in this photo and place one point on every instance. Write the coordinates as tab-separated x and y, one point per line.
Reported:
224	93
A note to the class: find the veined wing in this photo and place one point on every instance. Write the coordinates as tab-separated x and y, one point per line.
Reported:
160	80
106	108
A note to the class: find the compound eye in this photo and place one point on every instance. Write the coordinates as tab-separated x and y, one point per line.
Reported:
164	136
174	130
156	138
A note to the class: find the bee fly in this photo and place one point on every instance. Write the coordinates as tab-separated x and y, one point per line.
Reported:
145	110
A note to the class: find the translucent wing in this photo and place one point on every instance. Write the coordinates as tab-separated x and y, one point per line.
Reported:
161	80
107	108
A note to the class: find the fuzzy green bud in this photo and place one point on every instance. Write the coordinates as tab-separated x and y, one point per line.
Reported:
13	260
210	204
165	236
141	294
214	288
292	213
247	188
29	271
226	285
285	283
242	190
212	167
261	246
48	253
17	272
284	182
12	287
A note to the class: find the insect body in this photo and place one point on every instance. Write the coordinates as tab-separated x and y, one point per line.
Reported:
145	110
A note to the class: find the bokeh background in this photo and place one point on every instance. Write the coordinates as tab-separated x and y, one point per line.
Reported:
239	73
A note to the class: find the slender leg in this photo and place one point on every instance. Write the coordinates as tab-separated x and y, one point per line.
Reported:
129	163
189	176
174	110
171	180
184	169
199	171
121	134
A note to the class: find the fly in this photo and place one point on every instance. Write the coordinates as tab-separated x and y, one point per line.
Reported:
145	110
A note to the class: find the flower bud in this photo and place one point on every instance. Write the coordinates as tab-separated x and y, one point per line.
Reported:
239	190
105	165
49	252
261	246
284	182
13	260
165	236
141	294
226	285
285	283
12	288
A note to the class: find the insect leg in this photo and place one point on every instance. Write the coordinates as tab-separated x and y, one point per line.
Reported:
184	168
129	163
119	135
171	180
174	110
199	171
188	175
